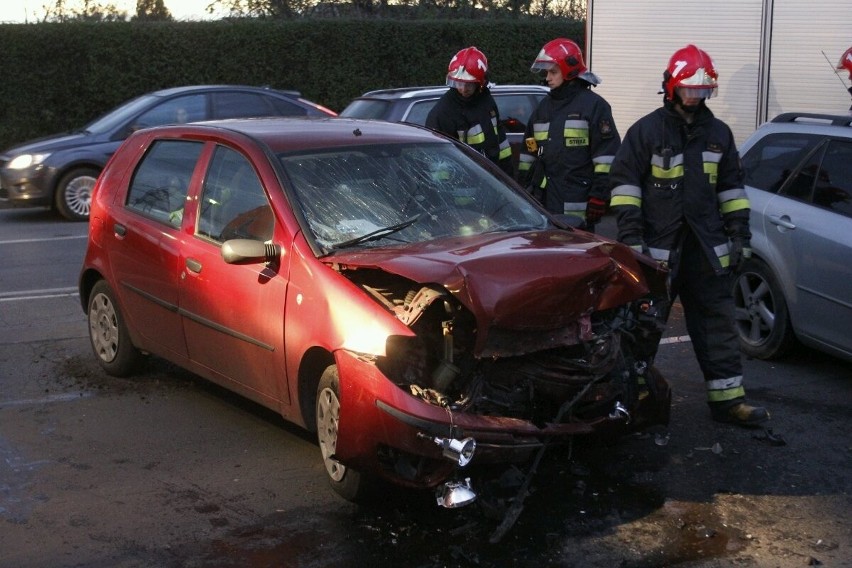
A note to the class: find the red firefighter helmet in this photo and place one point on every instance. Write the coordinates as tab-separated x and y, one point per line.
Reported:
567	55
691	68
846	62
468	66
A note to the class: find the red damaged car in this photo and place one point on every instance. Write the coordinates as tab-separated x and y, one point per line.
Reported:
374	282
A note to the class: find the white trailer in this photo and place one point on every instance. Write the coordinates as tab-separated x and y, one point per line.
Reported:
772	56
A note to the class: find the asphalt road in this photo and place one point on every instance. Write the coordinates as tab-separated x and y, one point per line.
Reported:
167	470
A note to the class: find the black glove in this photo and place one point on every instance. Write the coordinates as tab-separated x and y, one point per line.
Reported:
595	209
638	244
536	192
740	251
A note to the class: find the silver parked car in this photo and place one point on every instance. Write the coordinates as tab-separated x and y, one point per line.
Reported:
798	285
412	104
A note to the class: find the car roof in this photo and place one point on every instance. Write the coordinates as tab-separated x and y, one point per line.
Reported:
844	119
437	90
208	88
821	124
285	134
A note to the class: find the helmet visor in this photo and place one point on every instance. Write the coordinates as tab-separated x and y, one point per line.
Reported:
687	91
459	77
460	83
542	65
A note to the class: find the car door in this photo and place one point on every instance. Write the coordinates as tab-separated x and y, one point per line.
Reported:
146	240
233	314
810	223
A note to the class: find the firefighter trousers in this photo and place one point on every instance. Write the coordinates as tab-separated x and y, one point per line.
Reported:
708	308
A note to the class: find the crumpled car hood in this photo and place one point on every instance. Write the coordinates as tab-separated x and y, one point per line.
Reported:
531	280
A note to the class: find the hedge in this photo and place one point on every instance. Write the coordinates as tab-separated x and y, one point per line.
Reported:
59	76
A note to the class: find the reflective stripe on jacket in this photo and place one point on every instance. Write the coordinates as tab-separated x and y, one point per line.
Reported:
576	141
474	121
668	173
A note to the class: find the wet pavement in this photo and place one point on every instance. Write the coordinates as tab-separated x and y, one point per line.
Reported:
166	470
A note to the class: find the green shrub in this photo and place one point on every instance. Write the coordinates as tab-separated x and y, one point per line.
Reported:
59	76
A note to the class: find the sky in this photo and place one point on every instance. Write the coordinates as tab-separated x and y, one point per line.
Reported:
19	11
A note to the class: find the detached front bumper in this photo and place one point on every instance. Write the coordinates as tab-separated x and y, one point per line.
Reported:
377	415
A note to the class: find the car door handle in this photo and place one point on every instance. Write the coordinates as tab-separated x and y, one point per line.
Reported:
783	221
193	265
119	230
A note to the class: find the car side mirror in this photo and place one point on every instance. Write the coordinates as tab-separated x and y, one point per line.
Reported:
247	251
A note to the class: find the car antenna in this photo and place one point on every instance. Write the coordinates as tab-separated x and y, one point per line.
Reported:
834	70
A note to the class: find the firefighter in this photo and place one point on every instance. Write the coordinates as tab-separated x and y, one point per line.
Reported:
467	110
678	197
571	137
846	63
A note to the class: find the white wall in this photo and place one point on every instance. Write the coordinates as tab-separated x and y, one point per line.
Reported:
800	78
629	44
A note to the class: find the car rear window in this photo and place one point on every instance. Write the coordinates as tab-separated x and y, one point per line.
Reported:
418	111
241	105
366	108
286	108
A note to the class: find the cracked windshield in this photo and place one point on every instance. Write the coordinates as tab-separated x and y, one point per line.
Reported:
402	194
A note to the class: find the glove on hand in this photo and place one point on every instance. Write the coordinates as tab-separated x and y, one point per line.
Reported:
638	244
536	192
595	209
740	251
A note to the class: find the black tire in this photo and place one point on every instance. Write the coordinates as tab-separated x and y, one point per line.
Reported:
346	482
760	311
108	335
73	196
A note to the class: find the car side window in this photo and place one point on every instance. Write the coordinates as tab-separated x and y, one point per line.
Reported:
178	110
233	203
418	111
833	185
773	158
286	108
241	105
515	110
161	181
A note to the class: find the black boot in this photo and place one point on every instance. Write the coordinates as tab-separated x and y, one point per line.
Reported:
740	414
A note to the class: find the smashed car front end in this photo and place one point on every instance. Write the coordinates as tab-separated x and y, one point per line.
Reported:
518	341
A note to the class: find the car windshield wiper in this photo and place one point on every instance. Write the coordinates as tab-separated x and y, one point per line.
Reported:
377	234
513	228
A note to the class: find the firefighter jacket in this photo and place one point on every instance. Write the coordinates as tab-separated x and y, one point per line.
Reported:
476	122
575	142
669	173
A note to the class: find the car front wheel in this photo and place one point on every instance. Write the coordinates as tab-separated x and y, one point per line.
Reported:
74	193
761	315
345	481
108	333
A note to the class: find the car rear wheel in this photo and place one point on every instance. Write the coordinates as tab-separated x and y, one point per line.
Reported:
761	315
108	334
74	193
345	481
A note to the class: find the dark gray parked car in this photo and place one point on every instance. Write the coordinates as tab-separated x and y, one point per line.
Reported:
60	171
412	104
797	286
